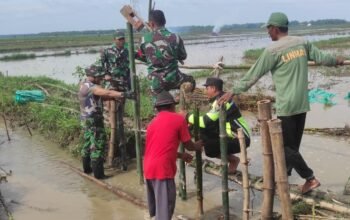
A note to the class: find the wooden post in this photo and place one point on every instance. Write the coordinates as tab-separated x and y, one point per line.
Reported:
121	135
112	120
7	130
281	170
182	172
224	172
264	114
135	88
245	177
199	171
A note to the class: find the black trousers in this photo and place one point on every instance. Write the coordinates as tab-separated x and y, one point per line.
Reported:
292	129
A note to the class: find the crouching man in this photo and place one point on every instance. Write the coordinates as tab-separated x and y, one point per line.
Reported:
210	129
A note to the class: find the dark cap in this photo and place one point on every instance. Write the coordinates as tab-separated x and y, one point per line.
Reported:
212	81
164	98
277	19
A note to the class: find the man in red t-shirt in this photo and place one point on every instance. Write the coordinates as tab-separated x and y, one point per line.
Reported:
164	134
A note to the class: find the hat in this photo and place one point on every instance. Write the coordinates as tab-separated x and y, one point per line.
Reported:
212	81
164	98
277	19
94	70
118	35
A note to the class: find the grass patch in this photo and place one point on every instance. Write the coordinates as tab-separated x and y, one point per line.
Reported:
18	56
58	117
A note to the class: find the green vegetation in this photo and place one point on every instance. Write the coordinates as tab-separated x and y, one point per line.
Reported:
18	56
23	56
58	117
334	43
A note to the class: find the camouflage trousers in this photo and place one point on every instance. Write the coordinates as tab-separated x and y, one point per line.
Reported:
94	139
169	81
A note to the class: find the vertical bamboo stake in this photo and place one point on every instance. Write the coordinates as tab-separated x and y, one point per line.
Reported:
135	88
281	170
112	120
121	135
198	164
7	130
182	173
245	177
224	172
264	109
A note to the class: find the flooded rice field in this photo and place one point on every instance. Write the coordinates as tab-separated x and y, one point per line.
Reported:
200	52
41	187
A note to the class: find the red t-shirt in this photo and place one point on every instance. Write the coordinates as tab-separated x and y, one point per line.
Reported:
164	134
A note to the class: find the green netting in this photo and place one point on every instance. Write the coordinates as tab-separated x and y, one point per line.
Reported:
24	96
321	96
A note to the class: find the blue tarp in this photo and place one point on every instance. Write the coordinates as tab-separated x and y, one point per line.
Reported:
24	96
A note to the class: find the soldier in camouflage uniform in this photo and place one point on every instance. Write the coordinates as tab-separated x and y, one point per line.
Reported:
115	60
90	97
162	51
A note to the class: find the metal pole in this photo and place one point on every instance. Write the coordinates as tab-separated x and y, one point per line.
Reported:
199	172
135	88
224	172
275	128
245	177
182	173
149	8
264	114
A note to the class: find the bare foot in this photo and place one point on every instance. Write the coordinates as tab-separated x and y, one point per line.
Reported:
233	164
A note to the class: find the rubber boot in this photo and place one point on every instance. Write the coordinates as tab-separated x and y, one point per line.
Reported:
87	165
97	167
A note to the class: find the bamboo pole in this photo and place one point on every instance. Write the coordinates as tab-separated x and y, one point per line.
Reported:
275	129
245	177
264	114
182	171
113	189
121	135
319	198
240	67
199	172
224	172
7	130
135	88
112	138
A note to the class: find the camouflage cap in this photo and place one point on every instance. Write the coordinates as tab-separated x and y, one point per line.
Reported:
118	35
94	70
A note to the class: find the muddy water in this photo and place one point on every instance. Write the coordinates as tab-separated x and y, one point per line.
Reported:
42	188
200	52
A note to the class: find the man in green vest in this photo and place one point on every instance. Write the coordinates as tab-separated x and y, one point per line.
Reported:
287	60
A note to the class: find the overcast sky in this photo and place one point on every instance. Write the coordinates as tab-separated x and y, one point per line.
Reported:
34	16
